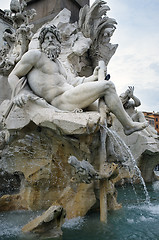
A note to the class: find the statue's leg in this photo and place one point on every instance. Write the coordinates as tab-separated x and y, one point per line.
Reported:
115	105
85	94
150	131
80	96
141	117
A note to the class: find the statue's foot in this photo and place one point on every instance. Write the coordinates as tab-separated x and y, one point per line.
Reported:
137	127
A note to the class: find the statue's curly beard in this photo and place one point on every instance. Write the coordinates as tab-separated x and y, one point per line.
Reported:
52	52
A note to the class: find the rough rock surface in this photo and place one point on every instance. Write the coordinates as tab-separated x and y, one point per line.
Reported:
40	154
49	223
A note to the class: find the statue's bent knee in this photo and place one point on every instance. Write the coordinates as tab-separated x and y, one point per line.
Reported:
110	85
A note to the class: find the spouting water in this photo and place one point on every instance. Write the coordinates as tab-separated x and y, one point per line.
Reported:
126	156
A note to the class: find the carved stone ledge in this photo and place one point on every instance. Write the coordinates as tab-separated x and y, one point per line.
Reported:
65	123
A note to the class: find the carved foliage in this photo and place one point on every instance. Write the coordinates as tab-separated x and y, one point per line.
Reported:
96	25
17	42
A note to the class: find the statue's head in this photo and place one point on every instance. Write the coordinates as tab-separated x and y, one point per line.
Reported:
51	29
50	41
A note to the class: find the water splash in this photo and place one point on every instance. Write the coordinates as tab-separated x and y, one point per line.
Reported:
75	223
156	186
127	157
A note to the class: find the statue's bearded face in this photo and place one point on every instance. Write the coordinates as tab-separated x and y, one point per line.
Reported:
51	46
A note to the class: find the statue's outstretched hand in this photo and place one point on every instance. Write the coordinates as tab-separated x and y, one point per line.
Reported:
94	76
21	99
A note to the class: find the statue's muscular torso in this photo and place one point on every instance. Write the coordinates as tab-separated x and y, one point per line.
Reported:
47	78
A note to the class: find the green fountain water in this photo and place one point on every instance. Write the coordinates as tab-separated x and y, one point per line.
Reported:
136	220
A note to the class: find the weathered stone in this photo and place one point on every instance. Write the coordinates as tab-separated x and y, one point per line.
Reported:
47	10
109	171
12	203
79	201
49	223
147	163
16	119
124	173
66	123
10	183
112	200
5	90
41	155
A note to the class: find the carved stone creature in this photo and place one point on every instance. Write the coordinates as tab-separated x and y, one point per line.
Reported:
84	171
